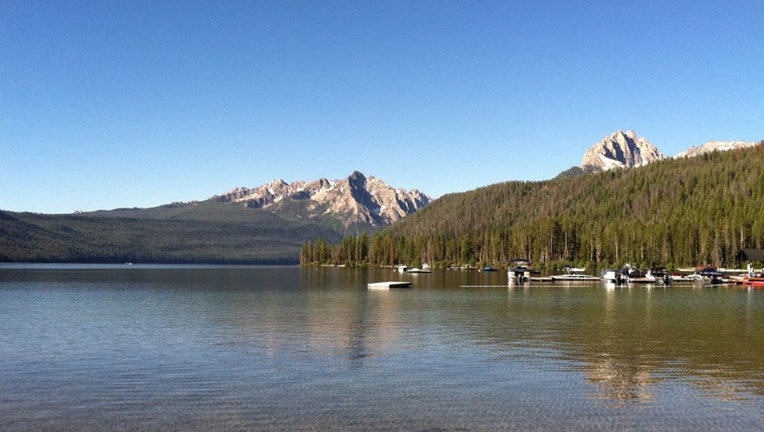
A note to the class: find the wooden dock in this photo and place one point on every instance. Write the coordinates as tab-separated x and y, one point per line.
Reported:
389	284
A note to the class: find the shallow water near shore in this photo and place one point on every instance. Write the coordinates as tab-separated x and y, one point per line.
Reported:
192	348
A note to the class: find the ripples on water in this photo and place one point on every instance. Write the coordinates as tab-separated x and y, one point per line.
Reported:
245	348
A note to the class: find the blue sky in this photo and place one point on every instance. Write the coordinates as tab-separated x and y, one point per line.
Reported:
107	104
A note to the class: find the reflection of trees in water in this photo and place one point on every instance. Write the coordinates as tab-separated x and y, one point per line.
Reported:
619	381
618	372
640	338
625	341
631	379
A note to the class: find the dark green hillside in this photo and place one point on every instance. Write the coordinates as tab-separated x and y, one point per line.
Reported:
205	232
675	212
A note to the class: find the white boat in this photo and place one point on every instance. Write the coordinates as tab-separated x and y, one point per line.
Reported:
612	276
709	276
634	275
520	272
700	275
646	279
656	275
575	274
678	277
425	269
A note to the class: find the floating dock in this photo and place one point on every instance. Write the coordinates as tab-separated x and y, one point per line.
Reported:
390	284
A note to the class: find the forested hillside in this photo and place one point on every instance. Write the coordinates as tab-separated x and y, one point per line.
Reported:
264	225
205	232
676	212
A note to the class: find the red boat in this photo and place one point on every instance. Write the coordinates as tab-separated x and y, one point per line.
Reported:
754	281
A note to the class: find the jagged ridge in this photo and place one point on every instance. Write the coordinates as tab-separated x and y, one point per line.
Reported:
712	146
626	150
351	201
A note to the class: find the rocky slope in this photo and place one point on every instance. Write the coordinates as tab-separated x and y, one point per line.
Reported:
620	150
354	201
626	150
712	146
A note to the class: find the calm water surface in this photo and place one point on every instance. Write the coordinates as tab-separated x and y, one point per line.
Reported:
93	348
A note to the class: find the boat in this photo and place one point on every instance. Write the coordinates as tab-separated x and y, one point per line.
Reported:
632	271
636	276
519	271
418	270
707	275
488	269
389	284
682	277
424	269
575	274
661	275
754	281
751	278
612	276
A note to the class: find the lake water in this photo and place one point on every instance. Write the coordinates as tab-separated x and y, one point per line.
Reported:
140	348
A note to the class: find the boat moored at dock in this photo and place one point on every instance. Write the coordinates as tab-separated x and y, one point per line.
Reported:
612	276
754	281
519	271
424	269
575	274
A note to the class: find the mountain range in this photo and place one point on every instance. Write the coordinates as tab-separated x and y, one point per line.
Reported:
673	212
263	224
626	150
356	202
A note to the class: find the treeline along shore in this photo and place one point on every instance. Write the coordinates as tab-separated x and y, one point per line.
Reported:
675	212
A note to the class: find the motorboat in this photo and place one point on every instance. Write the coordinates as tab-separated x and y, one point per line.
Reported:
656	275
612	276
424	269
575	274
754	281
709	275
661	275
519	271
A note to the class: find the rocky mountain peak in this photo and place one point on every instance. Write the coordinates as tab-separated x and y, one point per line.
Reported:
620	150
712	146
357	176
355	200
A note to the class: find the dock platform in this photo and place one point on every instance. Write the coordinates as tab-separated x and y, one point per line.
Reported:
389	284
